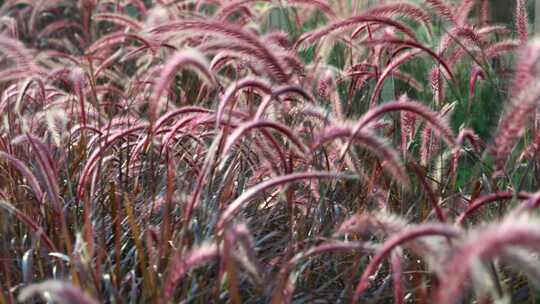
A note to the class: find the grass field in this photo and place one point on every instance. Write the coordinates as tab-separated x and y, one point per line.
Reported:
272	151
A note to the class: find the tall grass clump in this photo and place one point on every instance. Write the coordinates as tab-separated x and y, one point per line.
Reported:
255	151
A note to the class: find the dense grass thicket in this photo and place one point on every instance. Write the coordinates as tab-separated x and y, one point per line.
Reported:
253	151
